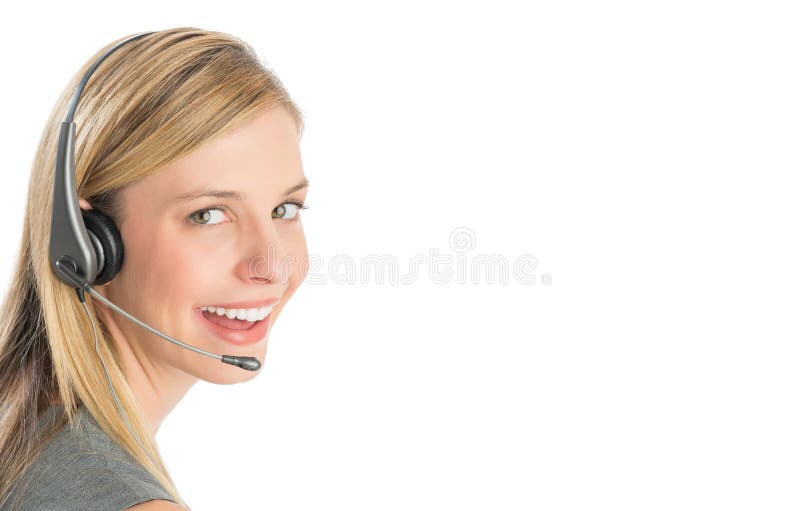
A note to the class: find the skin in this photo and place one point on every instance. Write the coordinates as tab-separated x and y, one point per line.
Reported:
176	261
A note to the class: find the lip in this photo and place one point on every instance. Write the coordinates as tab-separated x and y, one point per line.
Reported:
252	335
253	304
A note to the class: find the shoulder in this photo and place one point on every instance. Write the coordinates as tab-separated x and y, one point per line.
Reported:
82	468
157	505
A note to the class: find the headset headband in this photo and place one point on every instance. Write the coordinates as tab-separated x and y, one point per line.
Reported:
69	242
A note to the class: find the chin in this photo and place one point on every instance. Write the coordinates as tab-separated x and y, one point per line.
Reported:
215	371
230	377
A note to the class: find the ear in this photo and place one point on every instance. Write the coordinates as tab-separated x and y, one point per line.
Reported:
84	204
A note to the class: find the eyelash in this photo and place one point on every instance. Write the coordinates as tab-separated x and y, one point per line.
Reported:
300	205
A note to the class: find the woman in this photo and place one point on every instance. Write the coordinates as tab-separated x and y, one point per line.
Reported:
191	146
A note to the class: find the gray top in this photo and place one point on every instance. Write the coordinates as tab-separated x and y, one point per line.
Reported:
87	472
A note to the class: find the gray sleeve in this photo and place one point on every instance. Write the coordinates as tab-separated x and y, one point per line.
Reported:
85	473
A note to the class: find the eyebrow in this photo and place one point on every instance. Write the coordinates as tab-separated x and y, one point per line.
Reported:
229	194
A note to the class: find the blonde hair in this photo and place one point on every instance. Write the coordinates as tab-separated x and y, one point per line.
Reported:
149	103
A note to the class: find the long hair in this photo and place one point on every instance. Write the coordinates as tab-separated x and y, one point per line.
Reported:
149	103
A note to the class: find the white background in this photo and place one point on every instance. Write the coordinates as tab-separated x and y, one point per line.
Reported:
644	153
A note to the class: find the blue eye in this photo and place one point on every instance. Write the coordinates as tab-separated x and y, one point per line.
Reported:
205	216
289	213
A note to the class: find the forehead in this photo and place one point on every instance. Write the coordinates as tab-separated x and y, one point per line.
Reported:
259	157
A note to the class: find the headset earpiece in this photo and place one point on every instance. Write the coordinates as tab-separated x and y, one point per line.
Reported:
85	246
107	242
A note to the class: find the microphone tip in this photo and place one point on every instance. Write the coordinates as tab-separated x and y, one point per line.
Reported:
249	363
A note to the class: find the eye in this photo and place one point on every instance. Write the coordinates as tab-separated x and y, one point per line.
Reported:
288	210
208	216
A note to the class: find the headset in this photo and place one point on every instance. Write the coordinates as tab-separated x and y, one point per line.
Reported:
85	245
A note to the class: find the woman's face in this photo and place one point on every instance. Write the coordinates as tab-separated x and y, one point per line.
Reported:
183	253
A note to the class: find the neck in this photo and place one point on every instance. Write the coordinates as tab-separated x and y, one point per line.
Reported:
157	389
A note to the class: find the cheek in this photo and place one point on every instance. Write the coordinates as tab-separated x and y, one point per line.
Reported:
170	267
298	250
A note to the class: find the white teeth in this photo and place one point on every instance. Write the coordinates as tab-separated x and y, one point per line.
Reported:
251	314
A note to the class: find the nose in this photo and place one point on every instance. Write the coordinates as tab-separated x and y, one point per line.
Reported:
265	260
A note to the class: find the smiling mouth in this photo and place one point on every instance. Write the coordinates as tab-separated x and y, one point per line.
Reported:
244	314
231	323
240	323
